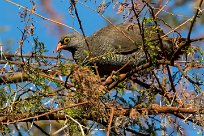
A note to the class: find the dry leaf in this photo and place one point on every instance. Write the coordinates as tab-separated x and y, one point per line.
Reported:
33	8
120	9
32	29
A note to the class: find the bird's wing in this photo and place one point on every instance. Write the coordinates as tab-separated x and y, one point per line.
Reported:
119	38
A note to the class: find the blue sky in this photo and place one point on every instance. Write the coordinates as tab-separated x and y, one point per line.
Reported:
10	20
91	22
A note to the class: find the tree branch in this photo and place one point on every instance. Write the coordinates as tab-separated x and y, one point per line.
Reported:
44	18
14	78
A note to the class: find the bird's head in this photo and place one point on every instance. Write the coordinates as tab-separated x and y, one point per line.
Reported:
70	42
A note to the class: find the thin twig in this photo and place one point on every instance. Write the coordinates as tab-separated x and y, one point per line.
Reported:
44	18
58	131
41	129
31	55
44	114
161	9
197	84
80	24
110	121
173	30
171	79
107	21
80	126
188	40
194	19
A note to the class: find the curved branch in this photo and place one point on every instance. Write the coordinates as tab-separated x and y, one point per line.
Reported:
14	78
194	19
50	115
9	55
53	115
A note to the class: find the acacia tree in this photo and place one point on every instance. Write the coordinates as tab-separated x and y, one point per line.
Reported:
53	95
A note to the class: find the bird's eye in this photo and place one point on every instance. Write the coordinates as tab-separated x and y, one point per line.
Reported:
66	40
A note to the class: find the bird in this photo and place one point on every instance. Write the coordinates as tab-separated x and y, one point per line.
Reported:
117	47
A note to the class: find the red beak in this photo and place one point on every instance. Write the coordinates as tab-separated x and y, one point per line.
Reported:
59	47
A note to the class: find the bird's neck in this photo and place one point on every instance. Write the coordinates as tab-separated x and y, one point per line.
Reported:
79	54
